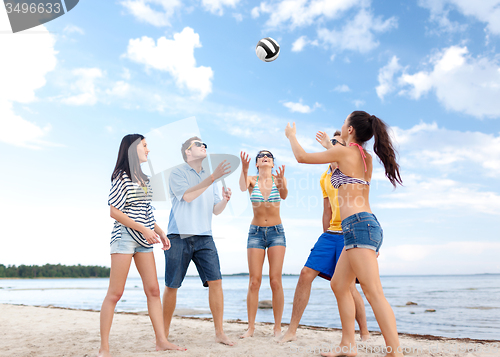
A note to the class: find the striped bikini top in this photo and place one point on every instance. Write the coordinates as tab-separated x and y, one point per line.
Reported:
256	195
338	178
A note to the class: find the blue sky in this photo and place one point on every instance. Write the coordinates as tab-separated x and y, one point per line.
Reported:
71	89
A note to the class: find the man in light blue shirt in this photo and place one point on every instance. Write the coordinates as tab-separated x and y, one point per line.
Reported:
194	200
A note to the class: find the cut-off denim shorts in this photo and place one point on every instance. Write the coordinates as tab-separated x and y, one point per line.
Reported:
127	245
266	237
362	230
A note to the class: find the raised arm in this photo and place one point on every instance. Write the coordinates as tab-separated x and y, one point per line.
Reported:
281	182
245	164
334	153
194	192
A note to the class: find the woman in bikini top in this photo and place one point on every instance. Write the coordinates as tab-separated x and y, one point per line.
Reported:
362	232
266	232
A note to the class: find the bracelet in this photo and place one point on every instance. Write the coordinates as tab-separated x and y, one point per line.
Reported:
212	176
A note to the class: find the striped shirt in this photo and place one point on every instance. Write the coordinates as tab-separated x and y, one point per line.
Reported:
135	201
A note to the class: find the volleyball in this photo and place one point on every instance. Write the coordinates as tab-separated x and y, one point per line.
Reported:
267	49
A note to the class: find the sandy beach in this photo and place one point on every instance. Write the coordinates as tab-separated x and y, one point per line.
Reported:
47	331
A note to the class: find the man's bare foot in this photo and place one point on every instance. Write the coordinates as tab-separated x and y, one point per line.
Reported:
103	353
342	350
287	337
165	346
248	333
222	338
277	333
365	338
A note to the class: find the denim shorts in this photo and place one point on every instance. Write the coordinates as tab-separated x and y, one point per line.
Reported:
266	237
362	230
127	245
200	249
325	254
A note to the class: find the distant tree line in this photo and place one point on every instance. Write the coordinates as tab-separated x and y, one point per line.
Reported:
53	271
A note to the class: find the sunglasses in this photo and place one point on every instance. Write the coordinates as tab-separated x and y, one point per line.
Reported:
262	154
198	144
334	141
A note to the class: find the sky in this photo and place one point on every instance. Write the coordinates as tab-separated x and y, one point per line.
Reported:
72	88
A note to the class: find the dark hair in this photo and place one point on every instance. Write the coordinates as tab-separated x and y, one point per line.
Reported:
187	144
258	159
128	160
337	133
366	126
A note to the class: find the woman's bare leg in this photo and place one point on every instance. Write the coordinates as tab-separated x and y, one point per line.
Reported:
276	255
255	262
365	266
120	265
341	281
145	263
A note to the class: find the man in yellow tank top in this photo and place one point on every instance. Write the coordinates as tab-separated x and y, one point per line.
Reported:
323	259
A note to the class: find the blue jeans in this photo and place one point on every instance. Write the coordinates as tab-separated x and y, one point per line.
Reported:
362	230
266	237
201	250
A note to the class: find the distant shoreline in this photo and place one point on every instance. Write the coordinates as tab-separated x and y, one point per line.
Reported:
246	274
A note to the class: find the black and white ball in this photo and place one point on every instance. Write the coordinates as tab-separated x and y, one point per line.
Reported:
267	49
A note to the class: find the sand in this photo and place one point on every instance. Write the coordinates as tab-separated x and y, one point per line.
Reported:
48	331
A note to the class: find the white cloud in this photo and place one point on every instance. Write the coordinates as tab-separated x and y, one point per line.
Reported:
342	88
442	193
386	77
428	146
22	72
484	11
301	108
461	82
73	29
299	44
119	89
357	34
238	17
475	257
144	12
85	87
216	6
358	103
175	57
17	131
299	13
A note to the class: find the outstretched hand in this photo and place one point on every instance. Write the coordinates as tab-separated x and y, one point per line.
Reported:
323	139
290	131
222	169
280	175
245	161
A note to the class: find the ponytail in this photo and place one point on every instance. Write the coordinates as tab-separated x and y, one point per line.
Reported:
385	150
367	126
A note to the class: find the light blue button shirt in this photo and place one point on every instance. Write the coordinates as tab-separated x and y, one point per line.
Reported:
195	217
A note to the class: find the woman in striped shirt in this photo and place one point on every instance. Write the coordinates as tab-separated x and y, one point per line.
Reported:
133	235
266	231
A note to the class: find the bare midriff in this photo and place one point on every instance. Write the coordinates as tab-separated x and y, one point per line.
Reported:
266	214
353	198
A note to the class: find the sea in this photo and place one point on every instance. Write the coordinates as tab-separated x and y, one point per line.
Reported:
456	306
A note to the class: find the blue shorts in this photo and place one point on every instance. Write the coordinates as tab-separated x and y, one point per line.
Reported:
200	249
127	245
325	254
362	230
266	237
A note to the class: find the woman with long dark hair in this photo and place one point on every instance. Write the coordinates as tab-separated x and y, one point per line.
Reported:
133	236
266	232
362	231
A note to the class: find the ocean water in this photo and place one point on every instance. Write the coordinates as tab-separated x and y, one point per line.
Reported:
467	306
